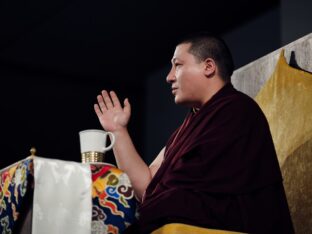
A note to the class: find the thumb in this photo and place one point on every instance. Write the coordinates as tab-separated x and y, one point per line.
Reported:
127	106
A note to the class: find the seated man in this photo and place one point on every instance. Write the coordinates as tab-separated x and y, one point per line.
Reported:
219	168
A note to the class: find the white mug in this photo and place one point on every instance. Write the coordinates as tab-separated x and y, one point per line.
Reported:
93	141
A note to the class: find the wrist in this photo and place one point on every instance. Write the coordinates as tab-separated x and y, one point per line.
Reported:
121	131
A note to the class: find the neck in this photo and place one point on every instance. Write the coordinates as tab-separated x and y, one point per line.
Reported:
214	85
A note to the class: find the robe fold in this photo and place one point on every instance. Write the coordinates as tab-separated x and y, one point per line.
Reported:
220	171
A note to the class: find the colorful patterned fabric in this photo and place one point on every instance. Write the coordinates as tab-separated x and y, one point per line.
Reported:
114	203
15	182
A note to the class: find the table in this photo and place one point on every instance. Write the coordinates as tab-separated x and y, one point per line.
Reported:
40	195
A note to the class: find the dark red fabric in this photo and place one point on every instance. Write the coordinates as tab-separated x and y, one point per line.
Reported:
215	164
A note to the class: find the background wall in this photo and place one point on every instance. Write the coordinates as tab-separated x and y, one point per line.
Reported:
296	19
48	111
56	56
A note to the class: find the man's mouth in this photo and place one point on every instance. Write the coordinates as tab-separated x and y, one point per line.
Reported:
174	90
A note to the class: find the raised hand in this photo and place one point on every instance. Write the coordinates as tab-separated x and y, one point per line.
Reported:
111	114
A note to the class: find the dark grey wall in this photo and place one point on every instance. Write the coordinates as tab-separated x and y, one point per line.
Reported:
28	96
48	110
296	19
255	38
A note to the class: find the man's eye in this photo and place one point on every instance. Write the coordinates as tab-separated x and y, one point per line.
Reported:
177	64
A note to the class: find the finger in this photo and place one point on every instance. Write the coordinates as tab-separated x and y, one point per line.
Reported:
97	110
115	99
127	106
101	102
107	99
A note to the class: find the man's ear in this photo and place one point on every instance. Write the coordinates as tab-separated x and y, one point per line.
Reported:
210	67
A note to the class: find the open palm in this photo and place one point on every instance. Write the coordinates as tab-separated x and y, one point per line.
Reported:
111	114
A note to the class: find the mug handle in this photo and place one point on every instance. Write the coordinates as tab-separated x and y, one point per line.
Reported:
112	139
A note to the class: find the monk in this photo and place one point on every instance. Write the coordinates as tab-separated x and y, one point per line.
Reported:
219	169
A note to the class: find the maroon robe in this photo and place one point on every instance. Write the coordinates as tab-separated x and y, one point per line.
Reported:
220	170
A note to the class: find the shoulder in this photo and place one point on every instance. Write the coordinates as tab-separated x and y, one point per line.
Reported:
237	104
243	101
247	107
232	105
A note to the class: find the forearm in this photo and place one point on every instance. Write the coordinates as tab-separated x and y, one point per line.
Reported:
130	162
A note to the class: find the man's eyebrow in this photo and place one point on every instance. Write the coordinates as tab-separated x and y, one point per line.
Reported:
173	60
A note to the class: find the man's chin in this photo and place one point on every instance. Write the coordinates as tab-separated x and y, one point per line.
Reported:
177	100
180	101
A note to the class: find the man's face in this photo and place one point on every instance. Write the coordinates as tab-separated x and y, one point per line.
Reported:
187	77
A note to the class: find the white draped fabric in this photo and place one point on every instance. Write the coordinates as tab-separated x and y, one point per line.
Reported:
62	198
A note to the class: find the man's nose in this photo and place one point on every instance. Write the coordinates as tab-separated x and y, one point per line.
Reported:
171	76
